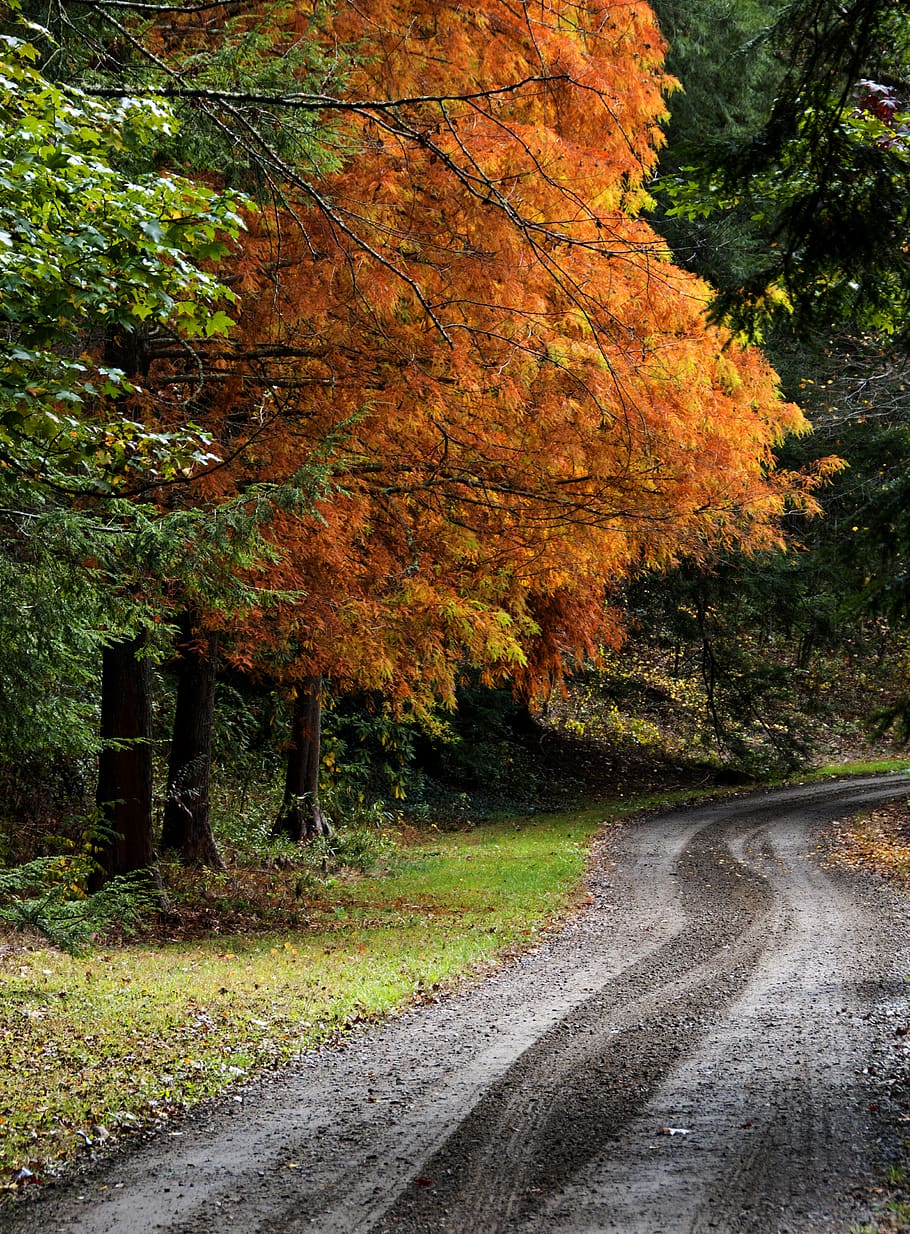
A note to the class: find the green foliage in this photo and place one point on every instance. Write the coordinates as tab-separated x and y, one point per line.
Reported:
233	84
360	840
95	260
86	249
249	62
44	796
784	184
895	718
817	180
249	724
51	896
51	623
856	389
211	551
737	644
485	748
367	753
721	53
243	814
33	897
366	764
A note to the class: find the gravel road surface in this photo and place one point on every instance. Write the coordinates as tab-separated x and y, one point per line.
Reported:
701	1050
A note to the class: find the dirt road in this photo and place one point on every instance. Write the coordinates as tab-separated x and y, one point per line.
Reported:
702	1050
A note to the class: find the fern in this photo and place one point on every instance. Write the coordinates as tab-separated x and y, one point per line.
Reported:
34	897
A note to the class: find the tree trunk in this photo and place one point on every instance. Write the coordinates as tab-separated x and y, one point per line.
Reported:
187	826
124	795
301	816
709	672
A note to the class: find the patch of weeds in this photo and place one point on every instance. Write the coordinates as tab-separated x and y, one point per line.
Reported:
362	840
895	1216
893	1219
353	848
899	1213
242	819
249	896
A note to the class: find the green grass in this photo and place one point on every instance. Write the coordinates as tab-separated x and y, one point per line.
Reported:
879	766
119	1039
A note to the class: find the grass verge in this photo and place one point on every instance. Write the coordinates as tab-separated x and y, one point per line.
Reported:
120	1039
880	766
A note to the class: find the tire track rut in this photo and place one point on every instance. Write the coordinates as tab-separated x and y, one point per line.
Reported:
585	1078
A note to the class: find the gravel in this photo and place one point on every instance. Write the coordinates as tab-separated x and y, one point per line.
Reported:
702	1049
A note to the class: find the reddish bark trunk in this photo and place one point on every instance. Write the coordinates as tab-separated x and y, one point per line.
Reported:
124	793
301	816
187	828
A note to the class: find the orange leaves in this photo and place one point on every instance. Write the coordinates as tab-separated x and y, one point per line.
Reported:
518	392
879	841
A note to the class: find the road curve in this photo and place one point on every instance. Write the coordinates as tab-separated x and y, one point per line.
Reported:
690	1055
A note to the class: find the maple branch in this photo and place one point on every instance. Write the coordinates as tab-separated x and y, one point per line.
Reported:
484	189
334	216
474	178
273	162
386	114
263	379
261	351
482	491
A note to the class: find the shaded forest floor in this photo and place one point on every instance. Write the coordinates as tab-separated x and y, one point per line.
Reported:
643	723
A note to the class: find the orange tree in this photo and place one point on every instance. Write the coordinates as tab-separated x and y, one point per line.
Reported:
454	307
521	398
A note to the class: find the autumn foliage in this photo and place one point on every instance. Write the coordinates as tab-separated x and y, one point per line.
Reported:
516	391
481	392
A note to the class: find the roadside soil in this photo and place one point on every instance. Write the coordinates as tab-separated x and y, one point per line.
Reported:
712	1045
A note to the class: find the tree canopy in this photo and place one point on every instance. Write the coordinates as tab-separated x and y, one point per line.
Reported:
89	254
820	172
522	394
447	311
